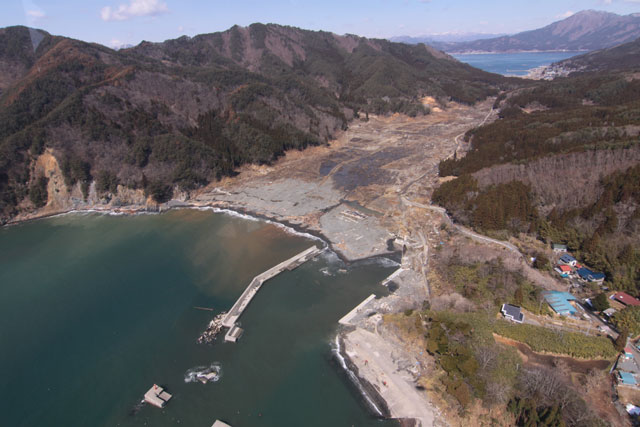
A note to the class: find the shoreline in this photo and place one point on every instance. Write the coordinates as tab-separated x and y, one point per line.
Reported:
239	212
375	402
313	204
480	52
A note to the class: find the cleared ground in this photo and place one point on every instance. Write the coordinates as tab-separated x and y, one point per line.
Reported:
351	190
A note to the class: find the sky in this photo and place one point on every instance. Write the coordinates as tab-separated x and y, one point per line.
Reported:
118	22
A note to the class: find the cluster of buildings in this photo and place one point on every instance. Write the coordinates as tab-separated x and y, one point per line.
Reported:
627	369
567	267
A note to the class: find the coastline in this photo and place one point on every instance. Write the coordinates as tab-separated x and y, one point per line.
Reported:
482	52
354	370
359	217
237	211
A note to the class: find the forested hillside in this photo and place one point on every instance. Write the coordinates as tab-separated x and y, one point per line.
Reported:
563	164
621	57
184	112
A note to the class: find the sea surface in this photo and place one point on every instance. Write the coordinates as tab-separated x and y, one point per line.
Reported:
95	309
513	64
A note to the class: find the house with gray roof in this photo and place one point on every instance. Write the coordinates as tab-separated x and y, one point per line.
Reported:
512	312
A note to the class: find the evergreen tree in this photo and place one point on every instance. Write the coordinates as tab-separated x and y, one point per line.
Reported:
600	302
621	341
518	297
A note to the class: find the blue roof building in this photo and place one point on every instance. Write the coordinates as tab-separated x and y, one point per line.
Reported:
626	378
590	276
559	302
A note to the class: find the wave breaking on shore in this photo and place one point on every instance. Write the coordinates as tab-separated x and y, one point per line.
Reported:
338	352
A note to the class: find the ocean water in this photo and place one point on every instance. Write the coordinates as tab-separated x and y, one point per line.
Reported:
513	64
95	309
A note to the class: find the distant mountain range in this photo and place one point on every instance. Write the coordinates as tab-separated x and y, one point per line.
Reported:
587	30
438	39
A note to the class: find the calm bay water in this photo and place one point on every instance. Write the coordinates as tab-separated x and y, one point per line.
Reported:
95	309
513	64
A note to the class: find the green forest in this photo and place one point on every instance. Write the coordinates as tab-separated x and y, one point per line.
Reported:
582	113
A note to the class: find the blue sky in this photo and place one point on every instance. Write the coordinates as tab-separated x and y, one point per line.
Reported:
113	22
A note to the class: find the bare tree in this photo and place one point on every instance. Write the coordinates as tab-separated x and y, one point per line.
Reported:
486	356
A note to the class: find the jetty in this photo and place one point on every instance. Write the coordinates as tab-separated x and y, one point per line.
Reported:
347	318
156	396
215	326
230	320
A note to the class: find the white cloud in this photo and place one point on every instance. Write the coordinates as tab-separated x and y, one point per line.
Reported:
133	9
567	14
36	14
33	13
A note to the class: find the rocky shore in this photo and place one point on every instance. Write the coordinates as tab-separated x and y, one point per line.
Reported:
213	329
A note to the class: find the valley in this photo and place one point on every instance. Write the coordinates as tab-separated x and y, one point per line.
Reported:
510	206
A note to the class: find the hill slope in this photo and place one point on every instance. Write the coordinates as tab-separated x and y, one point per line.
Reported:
184	112
586	30
562	164
625	57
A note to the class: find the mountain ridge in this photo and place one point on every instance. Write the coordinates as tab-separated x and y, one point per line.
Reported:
583	31
184	112
624	57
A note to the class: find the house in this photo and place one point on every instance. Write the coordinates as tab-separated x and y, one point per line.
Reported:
609	312
512	312
625	299
628	353
590	276
558	248
626	378
568	260
559	302
632	409
563	270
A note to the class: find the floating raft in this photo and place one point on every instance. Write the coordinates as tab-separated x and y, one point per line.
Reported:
156	396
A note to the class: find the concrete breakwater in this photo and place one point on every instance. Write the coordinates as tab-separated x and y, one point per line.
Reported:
215	326
230	320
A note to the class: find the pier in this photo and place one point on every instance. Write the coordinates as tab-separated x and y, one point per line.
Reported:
347	318
241	304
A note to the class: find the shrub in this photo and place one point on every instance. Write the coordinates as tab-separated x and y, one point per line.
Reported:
160	191
542	262
628	319
600	302
38	193
542	339
106	182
